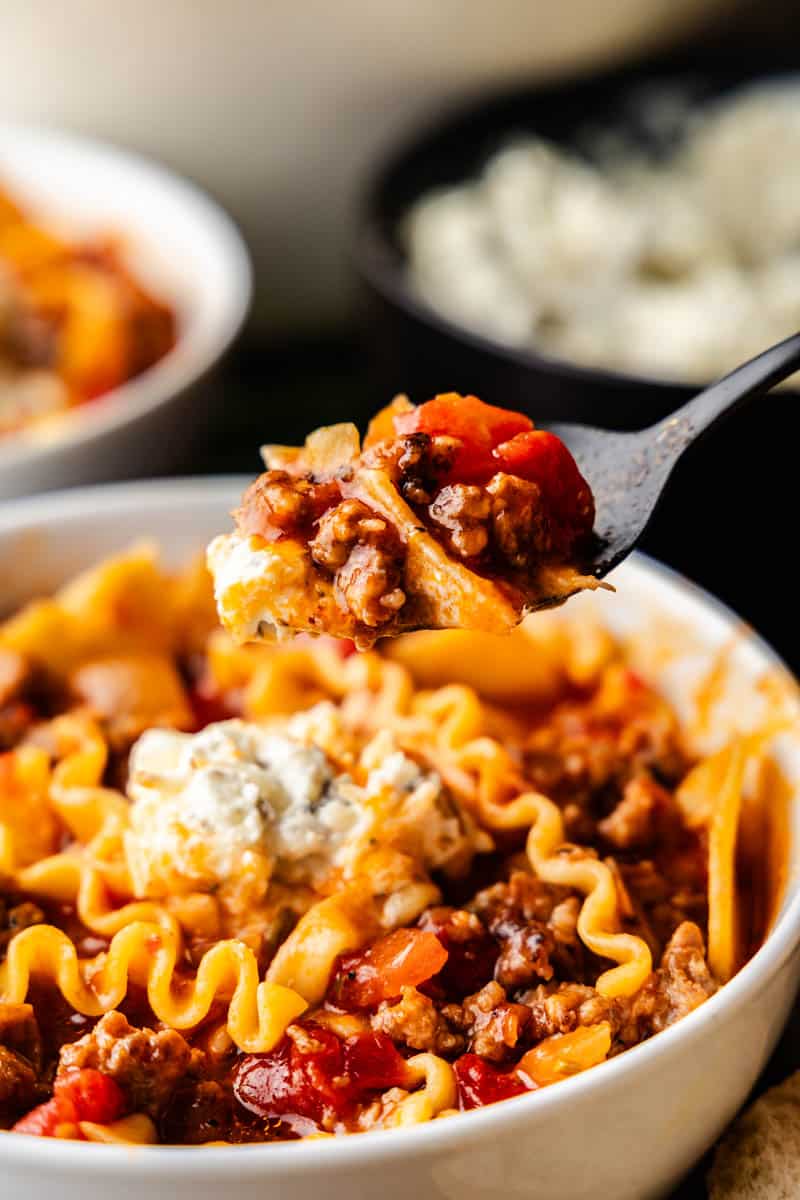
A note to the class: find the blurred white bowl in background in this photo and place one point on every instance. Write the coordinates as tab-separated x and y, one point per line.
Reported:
178	242
279	107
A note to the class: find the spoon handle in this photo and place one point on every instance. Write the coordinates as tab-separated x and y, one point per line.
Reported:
705	410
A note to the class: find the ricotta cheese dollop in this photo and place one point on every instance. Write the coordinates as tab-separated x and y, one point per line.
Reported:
202	802
205	805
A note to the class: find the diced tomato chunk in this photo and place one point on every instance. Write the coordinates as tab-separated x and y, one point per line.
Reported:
42	1121
491	439
318	1075
480	1083
470	960
373	1063
544	459
404	958
464	417
96	1097
78	1095
477	426
263	1083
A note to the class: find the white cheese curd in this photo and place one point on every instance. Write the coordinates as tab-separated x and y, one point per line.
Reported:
398	772
234	561
628	263
202	803
237	560
322	725
419	814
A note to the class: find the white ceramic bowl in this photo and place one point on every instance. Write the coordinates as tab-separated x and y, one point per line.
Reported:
179	242
626	1130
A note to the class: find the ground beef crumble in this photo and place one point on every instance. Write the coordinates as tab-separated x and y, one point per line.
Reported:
493	1026
645	813
19	1086
525	954
519	524
661	903
535	926
562	1007
366	557
341	529
590	751
503	520
279	504
20	1061
681	984
147	1064
368	585
461	511
414	1021
417	463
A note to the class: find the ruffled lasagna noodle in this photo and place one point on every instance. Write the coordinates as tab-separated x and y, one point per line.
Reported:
279	891
452	515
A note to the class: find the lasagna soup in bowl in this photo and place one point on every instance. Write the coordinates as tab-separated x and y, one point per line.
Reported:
518	912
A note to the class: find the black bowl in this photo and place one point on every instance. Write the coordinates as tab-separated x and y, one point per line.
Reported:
719	524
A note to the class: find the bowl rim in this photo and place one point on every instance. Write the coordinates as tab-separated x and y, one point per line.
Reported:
435	1137
381	263
202	341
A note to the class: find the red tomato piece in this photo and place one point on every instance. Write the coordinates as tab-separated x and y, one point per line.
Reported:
464	417
478	426
41	1121
263	1084
318	1077
470	960
401	959
95	1097
480	1083
373	1064
78	1095
544	459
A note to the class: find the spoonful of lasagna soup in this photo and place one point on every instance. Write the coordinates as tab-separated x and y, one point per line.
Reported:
452	514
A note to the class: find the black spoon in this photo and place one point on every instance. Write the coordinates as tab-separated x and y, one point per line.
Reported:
628	472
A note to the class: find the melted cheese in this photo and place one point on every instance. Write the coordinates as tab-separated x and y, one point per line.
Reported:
257	584
204	802
205	806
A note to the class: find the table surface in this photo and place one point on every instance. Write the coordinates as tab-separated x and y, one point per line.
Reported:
279	395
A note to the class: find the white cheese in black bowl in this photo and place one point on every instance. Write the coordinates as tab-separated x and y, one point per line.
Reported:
608	243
